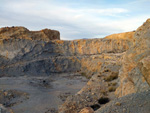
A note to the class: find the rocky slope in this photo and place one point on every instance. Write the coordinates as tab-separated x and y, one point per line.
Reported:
135	69
24	33
116	65
133	103
37	57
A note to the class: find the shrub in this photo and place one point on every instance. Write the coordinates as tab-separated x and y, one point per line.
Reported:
111	77
85	75
111	89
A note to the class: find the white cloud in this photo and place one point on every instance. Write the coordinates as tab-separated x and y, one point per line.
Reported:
73	23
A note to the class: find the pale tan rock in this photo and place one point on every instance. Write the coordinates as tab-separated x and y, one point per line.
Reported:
87	110
126	35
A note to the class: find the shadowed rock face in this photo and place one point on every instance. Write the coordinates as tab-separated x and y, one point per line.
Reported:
36	57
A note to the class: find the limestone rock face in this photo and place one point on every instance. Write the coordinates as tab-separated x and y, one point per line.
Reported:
24	33
37	57
135	69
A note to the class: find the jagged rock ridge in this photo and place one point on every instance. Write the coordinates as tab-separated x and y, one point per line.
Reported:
24	33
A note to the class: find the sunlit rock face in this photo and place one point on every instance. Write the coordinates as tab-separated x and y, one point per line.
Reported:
33	53
135	66
24	33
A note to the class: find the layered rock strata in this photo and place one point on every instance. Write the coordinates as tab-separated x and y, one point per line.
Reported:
37	57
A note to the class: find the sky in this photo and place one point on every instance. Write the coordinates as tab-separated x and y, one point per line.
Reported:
76	19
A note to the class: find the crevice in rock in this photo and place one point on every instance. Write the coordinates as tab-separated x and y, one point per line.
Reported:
103	100
95	107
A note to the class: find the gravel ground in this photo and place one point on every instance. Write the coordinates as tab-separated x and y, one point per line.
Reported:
44	94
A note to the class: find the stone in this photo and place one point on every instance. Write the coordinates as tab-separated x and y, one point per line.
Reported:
118	104
87	110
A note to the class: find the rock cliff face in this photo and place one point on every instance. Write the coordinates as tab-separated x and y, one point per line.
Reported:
135	69
37	57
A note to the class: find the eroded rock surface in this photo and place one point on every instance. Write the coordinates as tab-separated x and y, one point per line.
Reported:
35	57
24	33
135	69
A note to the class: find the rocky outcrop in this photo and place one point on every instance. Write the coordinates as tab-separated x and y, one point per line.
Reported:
24	33
135	69
36	57
126	35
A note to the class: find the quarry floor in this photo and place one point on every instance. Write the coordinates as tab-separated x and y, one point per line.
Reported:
42	94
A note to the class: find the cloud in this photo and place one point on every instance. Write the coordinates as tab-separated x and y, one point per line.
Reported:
73	23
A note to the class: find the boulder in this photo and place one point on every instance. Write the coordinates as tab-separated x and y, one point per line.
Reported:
87	110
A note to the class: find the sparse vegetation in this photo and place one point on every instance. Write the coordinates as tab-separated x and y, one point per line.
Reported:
111	77
104	92
112	84
85	75
111	88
